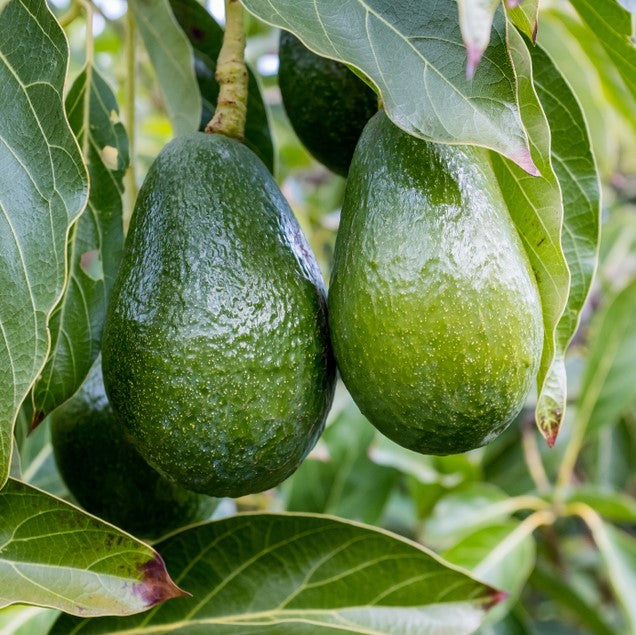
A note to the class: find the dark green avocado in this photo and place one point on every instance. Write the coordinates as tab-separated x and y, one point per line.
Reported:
216	353
435	315
106	474
327	105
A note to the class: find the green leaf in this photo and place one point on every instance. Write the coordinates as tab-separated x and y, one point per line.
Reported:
501	554
173	60
614	506
525	16
608	386
297	574
346	482
613	26
536	208
413	53
95	245
618	550
206	37
475	22
43	189
575	169
52	554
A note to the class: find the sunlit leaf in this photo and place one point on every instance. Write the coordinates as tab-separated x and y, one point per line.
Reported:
414	54
525	16
536	208
52	554
43	189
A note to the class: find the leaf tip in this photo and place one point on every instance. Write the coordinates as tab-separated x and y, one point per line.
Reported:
525	162
549	426
156	585
534	32
496	596
512	4
473	57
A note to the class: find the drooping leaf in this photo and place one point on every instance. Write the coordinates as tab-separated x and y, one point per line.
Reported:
206	37
52	554
574	166
613	25
43	189
173	60
95	246
296	574
608	386
618	550
414	54
346	482
475	22
525	16
536	208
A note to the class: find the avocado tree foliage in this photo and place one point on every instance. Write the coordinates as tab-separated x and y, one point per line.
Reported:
515	537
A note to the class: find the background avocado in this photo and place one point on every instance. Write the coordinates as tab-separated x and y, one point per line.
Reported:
106	474
435	316
327	104
216	353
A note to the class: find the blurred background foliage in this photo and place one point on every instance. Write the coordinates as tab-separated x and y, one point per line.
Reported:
492	510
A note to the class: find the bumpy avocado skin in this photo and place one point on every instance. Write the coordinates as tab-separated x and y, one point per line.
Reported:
435	315
106	474
327	105
216	352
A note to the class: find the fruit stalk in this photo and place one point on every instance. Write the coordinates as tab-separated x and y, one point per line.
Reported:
231	74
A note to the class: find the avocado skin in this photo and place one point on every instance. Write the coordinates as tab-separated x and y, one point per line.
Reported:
435	315
327	105
106	474
216	351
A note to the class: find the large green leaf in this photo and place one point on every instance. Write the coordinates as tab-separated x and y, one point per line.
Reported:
296	574
613	25
615	506
536	207
173	60
414	54
95	245
575	169
206	37
52	554
608	387
43	189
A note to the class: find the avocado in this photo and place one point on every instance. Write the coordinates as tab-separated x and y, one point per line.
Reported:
106	474
326	103
216	351
434	311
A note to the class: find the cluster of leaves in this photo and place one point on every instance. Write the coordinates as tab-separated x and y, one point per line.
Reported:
515	515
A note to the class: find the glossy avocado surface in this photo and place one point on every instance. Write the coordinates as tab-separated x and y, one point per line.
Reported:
216	353
327	104
435	315
107	475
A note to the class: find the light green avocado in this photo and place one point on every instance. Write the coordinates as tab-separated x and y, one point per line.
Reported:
216	353
435	316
